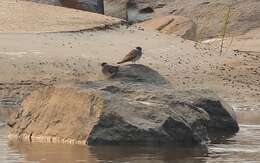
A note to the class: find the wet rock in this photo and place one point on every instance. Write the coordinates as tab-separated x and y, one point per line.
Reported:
138	106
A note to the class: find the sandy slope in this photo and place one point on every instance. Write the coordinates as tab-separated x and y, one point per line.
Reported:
76	56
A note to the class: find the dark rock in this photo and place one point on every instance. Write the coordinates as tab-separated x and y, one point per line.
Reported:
146	10
222	117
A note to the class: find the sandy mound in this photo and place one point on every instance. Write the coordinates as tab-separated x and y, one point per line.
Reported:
21	16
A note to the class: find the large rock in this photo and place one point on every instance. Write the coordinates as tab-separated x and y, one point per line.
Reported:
137	106
222	116
171	24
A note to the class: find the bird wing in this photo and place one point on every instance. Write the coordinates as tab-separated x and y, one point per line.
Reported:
130	56
112	69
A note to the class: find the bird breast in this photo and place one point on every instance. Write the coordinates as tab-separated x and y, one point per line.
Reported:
138	56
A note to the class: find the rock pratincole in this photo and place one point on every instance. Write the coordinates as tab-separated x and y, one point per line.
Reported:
109	70
132	56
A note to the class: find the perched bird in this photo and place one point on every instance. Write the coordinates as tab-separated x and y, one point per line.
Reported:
132	56
109	70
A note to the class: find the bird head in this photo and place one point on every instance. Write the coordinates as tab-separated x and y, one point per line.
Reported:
139	48
103	64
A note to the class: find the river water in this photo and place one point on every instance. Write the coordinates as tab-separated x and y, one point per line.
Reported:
243	147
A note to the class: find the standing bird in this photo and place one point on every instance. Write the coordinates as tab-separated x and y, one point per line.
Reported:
109	70
132	56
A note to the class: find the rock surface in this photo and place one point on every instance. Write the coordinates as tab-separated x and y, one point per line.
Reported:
171	24
13	93
210	15
137	106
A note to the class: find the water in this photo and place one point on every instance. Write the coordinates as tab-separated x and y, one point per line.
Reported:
243	147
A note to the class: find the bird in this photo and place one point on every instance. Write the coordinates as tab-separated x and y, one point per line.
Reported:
132	56
109	70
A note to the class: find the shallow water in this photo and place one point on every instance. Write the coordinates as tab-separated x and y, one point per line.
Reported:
243	147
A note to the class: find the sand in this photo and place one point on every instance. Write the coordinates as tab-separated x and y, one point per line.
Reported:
35	59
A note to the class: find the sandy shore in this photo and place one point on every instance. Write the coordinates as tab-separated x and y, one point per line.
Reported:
34	59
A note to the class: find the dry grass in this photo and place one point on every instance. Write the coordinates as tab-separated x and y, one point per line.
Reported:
225	29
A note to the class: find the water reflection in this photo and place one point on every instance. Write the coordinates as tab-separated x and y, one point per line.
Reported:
248	117
76	153
53	152
148	154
